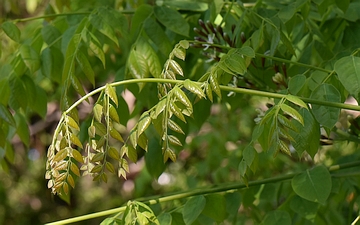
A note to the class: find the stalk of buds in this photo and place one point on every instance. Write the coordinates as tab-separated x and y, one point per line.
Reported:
212	34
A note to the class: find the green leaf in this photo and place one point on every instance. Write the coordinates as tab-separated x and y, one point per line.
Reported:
326	116
249	154
52	62
154	158
50	34
165	218
313	185
187	5
4	91
215	207
11	30
292	112
22	129
157	35
193	208
31	58
296	83
194	88
287	12
348	71
143	61
303	207
246	51
278	217
97	19
6	116
172	20
86	67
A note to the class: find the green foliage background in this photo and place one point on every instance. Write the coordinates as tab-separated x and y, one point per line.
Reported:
239	112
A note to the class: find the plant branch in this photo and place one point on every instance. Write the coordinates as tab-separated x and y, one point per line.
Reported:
200	191
222	87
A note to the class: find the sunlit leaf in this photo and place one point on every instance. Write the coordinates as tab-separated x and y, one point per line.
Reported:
144	122
115	134
194	88
292	112
175	67
110	91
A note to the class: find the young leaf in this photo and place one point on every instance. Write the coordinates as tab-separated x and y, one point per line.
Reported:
132	153
296	101
115	134
175	67
174	140
169	154
113	114
113	153
179	53
72	123
215	84
75	140
292	112
181	96
143	123
110	91
175	127
194	88
177	112
98	112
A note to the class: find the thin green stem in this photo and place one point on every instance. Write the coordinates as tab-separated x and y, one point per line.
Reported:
268	57
63	14
200	191
293	62
49	16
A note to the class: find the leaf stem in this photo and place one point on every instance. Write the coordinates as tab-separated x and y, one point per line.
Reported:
200	191
63	14
267	57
